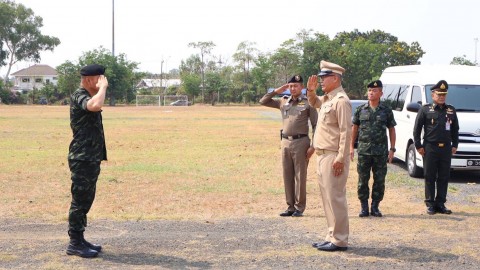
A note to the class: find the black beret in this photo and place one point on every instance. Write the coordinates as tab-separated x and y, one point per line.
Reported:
441	87
375	84
296	79
92	70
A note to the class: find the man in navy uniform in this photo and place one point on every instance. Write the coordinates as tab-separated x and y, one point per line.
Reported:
440	141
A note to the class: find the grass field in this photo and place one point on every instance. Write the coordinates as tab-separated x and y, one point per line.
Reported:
203	163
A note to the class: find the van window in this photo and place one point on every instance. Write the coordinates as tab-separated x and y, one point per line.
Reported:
394	96
462	97
416	95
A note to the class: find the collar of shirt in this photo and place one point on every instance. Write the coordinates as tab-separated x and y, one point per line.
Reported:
334	92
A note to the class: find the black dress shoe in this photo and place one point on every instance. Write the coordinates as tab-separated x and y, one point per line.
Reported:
443	210
319	244
287	213
331	247
431	210
297	214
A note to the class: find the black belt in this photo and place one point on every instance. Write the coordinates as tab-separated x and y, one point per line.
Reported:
294	137
439	144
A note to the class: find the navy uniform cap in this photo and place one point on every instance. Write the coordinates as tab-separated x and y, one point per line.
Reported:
296	79
92	70
375	84
440	88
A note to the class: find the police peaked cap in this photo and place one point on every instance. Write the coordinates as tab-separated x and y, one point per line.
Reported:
375	84
296	79
92	70
440	88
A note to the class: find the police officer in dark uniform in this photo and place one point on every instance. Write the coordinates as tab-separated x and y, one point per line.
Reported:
370	122
86	152
440	125
296	146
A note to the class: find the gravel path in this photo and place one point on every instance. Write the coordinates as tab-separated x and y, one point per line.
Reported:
279	243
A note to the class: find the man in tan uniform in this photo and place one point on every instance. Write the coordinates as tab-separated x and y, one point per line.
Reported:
331	143
296	148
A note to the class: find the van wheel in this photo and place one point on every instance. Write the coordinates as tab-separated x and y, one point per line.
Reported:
413	169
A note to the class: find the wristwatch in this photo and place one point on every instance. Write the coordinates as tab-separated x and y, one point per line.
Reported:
393	149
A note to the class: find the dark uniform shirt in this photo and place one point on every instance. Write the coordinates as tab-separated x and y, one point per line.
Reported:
88	142
295	113
440	124
372	125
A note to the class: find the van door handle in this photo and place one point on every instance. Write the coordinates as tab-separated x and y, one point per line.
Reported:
408	116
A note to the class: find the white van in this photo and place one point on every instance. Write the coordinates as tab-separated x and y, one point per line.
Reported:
405	88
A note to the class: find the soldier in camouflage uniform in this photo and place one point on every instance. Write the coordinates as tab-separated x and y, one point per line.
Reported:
86	152
370	122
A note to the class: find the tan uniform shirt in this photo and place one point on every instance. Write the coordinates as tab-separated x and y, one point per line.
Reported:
295	113
334	126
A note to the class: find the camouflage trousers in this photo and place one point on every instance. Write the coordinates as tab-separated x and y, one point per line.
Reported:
378	165
84	184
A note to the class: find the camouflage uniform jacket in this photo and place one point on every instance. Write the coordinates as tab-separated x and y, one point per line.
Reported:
88	142
372	125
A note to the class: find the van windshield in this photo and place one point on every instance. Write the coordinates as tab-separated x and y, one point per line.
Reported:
463	97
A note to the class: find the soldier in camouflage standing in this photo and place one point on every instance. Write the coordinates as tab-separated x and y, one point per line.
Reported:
86	152
370	122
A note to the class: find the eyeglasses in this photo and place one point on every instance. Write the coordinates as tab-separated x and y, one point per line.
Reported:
324	77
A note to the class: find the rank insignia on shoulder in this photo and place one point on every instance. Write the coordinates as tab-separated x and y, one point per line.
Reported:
449	110
301	103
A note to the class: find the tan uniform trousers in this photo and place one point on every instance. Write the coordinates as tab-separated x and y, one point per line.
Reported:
295	172
333	192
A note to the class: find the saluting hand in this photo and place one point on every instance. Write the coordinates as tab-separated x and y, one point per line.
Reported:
282	89
102	82
312	83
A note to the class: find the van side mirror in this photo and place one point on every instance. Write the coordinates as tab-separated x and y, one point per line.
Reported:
413	107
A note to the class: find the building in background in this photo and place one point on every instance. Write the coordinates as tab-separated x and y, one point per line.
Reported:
36	76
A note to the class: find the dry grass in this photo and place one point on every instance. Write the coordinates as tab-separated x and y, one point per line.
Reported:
206	163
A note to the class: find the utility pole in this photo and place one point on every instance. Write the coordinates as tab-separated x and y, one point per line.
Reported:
476	42
113	28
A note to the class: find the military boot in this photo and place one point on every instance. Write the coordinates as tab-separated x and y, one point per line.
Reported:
364	211
97	248
374	210
77	246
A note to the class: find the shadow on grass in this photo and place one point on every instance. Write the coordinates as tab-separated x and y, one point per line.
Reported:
154	260
408	254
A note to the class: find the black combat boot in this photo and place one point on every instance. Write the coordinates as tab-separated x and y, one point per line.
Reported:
77	246
364	211
97	248
374	210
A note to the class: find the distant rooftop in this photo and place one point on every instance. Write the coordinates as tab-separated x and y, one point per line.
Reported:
36	70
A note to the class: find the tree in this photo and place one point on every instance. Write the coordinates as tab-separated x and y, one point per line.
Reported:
245	56
205	49
68	78
120	73
287	58
20	34
462	60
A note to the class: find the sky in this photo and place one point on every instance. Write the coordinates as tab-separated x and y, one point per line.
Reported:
151	32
